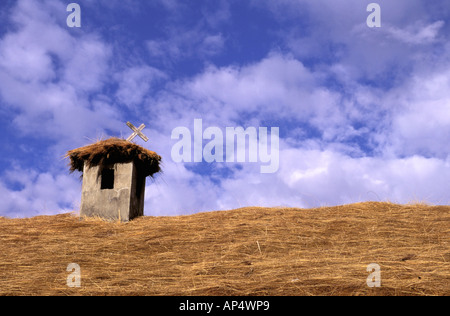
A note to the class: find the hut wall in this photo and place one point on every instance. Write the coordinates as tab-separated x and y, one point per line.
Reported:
122	201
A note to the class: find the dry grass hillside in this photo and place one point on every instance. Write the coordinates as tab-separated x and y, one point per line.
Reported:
249	251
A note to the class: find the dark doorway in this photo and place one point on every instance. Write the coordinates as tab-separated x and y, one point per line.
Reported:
107	179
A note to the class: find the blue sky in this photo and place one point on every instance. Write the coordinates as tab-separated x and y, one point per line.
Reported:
363	113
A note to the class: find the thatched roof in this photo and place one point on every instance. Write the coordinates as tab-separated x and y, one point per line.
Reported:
111	151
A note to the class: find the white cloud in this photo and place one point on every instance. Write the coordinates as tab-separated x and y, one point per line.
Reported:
277	87
176	190
421	117
41	193
86	67
180	191
135	83
340	34
307	178
52	77
186	43
325	171
417	33
212	45
313	178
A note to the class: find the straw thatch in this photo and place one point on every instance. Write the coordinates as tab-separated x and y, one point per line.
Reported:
112	151
246	252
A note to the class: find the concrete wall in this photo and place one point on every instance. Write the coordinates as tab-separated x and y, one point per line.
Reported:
121	201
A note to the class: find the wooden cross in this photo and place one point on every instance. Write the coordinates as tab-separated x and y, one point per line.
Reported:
137	132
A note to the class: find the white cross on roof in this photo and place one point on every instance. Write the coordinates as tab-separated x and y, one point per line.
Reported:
137	132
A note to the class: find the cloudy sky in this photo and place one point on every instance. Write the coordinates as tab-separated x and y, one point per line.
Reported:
363	113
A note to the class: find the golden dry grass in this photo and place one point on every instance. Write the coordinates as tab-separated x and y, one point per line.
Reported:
249	251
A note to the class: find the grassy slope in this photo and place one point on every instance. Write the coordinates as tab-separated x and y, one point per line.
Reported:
249	251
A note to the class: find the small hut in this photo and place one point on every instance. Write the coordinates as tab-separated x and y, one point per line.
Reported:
114	173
